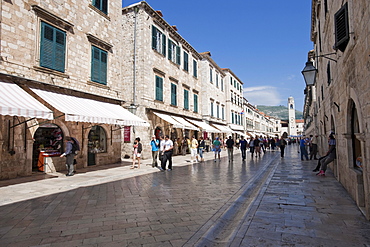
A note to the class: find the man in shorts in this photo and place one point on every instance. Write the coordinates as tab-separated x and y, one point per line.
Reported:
217	148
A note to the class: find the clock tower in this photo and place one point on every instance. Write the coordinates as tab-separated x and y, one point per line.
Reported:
292	124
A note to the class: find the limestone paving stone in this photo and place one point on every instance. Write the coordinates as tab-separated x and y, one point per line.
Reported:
168	208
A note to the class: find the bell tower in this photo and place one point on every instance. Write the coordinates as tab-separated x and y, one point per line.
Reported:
292	124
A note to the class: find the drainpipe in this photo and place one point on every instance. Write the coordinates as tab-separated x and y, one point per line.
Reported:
133	104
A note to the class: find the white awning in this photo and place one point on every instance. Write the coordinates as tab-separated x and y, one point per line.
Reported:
240	133
185	123
223	128
236	127
170	120
91	111
14	101
204	126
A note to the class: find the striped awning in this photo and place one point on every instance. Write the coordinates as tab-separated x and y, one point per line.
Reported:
14	101
170	120
204	126
92	111
185	123
223	128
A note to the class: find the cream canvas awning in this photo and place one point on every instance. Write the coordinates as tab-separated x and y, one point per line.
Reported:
185	123
223	128
88	110
204	126
170	120
236	127
14	101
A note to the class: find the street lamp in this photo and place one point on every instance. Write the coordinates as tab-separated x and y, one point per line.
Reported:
309	74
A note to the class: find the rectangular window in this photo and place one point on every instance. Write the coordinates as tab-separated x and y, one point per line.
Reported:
212	114
99	61
173	52
231	81
186	61
158	41
52	47
210	75
195	68
101	5
158	88
218	111
186	99
195	103
173	94
222	84
232	117
223	113
216	80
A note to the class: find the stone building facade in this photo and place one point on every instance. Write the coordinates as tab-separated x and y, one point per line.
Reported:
338	102
163	71
71	48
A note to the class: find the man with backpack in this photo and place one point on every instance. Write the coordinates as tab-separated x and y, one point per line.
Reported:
72	147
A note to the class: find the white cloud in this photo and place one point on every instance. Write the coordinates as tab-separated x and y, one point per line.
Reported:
262	95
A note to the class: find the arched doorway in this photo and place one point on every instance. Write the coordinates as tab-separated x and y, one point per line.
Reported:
48	138
97	143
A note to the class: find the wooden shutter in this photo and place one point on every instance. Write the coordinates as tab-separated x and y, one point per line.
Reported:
169	49
186	61
341	28
60	48
99	62
178	56
195	103
104	7
154	37
159	88
186	99
173	94
52	47
163	45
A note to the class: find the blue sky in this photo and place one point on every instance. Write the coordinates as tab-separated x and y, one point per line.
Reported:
264	42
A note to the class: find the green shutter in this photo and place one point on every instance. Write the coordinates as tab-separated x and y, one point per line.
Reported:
178	57
154	37
158	88
52	47
163	45
186	61
169	49
186	99
99	62
195	103
173	94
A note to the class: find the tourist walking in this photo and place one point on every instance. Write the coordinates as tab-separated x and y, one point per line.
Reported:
167	154
257	146
184	145
201	148
230	148
251	147
302	146
70	155
313	143
161	148
207	143
283	144
138	148
155	150
243	147
217	148
193	150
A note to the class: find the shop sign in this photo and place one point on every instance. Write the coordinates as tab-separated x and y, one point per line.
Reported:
127	133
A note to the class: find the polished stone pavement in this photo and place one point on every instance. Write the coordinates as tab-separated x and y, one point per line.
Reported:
265	201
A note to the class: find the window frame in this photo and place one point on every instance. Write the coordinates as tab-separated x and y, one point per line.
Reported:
195	98
186	61
101	5
195	68
158	40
